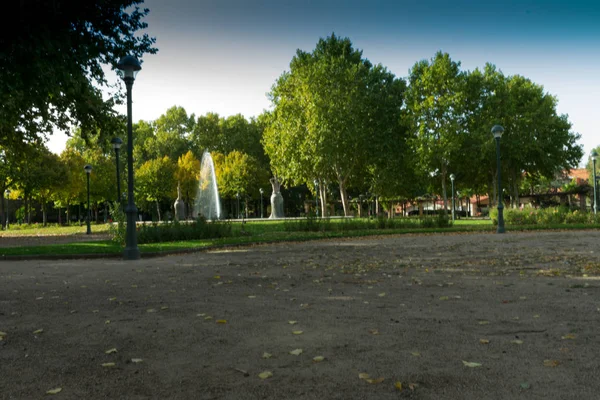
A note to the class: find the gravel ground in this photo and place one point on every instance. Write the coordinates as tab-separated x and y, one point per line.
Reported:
409	309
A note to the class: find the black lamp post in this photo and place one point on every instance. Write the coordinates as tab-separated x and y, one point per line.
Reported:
88	171
497	131
261	201
316	182
452	180
7	195
130	66
237	195
116	144
594	156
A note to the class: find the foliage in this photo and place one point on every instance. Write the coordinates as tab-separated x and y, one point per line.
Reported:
51	67
333	112
545	216
155	181
177	231
118	228
312	224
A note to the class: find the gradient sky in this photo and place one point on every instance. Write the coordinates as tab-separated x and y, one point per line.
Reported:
224	55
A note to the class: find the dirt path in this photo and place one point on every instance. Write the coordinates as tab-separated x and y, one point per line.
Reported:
408	308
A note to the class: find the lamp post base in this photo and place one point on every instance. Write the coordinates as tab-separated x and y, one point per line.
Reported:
500	228
131	253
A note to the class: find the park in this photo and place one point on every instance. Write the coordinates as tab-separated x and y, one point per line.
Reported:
363	235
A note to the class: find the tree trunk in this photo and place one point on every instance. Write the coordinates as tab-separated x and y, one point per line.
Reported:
158	210
444	189
2	211
44	215
323	195
344	197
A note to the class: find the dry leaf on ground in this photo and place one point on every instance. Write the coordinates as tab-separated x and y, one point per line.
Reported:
318	358
221	321
54	391
265	374
136	360
296	352
471	364
38	331
110	351
109	364
267	355
398	385
568	336
297	332
484	341
551	363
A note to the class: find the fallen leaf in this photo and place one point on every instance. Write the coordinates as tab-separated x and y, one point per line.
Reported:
536	316
525	385
109	364
374	331
251	297
164	308
471	364
412	386
112	298
398	385
110	351
516	341
292	322
318	358
484	341
415	353
38	331
136	360
296	352
363	375
2	334
151	310
243	371
551	363
207	318
444	298
568	336
381	294
267	355
265	374
107	321
217	276
54	391
200	315
375	381
484	322
297	332
221	321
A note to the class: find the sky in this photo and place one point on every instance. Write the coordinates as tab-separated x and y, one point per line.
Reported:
223	56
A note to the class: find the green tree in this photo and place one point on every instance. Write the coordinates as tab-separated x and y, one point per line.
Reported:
187	176
435	106
155	181
51	71
327	121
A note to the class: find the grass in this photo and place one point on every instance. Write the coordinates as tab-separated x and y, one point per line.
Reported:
50	230
251	232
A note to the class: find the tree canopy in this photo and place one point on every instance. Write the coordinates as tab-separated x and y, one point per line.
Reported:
51	66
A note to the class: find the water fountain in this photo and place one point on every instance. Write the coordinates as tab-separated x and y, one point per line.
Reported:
208	203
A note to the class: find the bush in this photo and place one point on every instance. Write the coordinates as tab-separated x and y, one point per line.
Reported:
546	216
178	231
117	229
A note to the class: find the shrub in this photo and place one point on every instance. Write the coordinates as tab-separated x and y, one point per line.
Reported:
117	229
177	231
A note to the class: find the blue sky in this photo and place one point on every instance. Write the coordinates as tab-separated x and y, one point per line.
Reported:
224	55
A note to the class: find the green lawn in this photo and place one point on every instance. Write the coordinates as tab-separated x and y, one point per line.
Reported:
50	230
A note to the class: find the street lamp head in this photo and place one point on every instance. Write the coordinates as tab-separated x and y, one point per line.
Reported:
7	191
116	143
594	155
88	169
261	190
452	177
130	67
497	131
316	182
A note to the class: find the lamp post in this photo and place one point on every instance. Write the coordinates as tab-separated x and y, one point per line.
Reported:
130	66
452	180
261	201
7	193
88	171
116	144
497	131
237	195
316	182
594	156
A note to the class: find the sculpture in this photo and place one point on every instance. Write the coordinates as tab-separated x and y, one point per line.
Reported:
276	199
179	205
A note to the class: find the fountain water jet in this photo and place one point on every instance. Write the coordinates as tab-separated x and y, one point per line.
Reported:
207	203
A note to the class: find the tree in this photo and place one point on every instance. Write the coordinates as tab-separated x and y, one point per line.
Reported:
171	131
51	67
435	105
187	176
155	181
327	116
